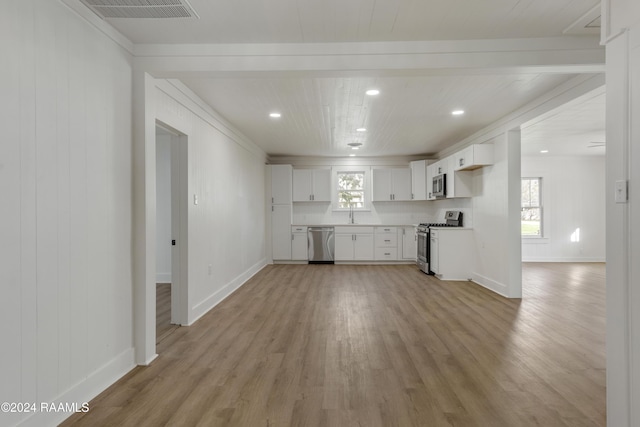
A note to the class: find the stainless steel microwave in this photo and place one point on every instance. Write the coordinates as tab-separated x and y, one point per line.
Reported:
439	188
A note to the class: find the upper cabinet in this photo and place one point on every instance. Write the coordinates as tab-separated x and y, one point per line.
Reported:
473	157
419	180
391	184
281	184
311	185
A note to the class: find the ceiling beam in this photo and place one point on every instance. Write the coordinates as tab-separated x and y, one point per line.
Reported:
574	55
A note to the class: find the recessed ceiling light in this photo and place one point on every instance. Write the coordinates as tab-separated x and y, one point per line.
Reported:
544	151
372	92
352	155
457	112
275	115
355	148
361	130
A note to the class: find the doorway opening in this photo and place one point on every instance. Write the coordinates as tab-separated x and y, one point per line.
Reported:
171	236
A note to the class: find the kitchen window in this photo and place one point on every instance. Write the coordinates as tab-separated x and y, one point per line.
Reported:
531	207
350	190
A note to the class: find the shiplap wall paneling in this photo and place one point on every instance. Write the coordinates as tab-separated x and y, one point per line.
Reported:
65	182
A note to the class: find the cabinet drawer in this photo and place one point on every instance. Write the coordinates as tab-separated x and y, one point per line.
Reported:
380	230
353	230
386	240
386	254
298	229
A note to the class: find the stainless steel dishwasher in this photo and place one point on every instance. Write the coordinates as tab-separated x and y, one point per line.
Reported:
321	245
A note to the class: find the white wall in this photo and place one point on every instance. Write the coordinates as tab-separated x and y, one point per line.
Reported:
226	232
65	186
163	208
621	34
494	216
572	198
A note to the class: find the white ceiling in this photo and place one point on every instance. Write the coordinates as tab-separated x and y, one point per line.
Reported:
411	116
575	129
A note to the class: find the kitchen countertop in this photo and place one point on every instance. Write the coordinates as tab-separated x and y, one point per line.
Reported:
354	225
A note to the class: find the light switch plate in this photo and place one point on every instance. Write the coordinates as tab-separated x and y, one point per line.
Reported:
621	193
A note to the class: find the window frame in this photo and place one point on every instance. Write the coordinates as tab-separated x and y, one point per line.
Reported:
366	171
539	206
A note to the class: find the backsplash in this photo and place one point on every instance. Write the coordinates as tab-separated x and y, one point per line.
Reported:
392	213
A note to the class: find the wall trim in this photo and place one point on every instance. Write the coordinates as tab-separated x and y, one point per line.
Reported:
202	308
94	384
492	285
564	259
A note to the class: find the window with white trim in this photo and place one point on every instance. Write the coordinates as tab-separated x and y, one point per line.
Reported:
531	207
351	190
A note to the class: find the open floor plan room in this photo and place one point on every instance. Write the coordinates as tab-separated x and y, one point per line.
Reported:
386	345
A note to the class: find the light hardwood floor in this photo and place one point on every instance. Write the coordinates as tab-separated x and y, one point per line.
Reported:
318	345
163	312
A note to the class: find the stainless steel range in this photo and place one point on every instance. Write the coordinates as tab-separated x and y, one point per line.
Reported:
452	218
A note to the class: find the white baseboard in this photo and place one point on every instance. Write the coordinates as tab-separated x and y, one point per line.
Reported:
163	278
563	259
492	285
84	391
214	299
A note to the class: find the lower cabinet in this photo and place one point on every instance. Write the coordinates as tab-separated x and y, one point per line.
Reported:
299	247
281	232
409	239
451	253
354	243
386	239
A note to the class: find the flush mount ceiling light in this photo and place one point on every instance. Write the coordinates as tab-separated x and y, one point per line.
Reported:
354	144
275	115
544	151
352	155
372	92
361	130
355	148
457	112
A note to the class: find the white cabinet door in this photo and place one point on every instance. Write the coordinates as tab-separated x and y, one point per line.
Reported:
343	247
381	182
299	249
401	184
363	247
434	254
391	184
311	185
474	157
281	184
409	243
321	185
281	232
302	185
419	180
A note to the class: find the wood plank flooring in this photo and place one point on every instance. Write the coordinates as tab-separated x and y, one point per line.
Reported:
318	345
163	312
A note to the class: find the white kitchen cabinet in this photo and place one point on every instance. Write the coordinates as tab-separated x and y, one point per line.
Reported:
299	249
311	185
281	184
407	235
386	243
391	184
353	243
451	253
418	179
458	184
281	232
474	157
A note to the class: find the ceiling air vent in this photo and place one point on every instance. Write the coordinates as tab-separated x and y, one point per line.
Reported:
159	9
